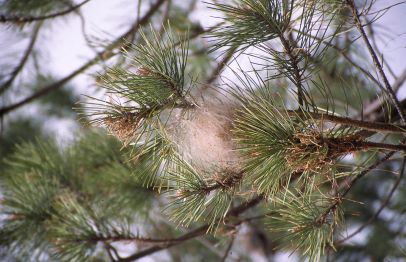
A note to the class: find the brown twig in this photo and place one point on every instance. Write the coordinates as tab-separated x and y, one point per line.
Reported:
371	32
112	250
372	126
366	145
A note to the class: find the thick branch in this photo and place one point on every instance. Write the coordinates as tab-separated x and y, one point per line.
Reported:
366	145
344	145
372	126
27	19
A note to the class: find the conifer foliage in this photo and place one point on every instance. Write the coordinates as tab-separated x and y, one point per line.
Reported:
276	139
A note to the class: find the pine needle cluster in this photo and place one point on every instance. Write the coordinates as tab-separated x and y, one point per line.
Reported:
310	232
284	143
251	22
63	203
136	99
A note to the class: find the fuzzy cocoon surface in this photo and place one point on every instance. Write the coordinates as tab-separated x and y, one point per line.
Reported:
203	136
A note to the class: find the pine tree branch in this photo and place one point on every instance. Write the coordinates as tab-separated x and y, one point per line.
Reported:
24	59
383	205
372	126
27	19
339	197
366	145
190	235
102	56
194	233
375	59
339	146
123	238
295	67
371	32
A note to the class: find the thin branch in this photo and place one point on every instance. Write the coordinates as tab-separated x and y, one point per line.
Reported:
228	249
104	55
194	233
24	59
202	241
371	30
190	235
383	205
339	197
27	19
165	17
375	59
84	33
